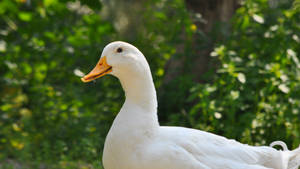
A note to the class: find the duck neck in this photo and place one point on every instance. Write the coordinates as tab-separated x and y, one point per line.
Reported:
140	90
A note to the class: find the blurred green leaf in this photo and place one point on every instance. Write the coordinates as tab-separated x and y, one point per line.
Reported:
25	16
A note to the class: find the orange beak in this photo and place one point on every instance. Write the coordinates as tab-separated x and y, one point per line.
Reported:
101	69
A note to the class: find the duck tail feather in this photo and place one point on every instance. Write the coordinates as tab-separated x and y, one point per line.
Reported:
280	143
291	159
294	160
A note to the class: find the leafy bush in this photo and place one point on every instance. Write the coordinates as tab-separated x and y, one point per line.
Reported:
254	96
46	112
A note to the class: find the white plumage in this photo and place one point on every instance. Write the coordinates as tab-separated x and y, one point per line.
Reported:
137	141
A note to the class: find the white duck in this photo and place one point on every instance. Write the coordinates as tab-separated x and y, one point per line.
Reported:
137	141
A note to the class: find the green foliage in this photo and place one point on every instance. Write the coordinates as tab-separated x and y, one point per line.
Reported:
254	96
48	115
46	112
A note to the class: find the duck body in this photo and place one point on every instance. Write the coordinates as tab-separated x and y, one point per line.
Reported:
138	147
137	141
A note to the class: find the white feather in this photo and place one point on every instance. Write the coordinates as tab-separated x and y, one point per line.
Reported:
137	141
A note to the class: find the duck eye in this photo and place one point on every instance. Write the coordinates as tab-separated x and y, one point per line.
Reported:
119	50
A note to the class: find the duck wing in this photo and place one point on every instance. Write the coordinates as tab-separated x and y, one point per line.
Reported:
217	152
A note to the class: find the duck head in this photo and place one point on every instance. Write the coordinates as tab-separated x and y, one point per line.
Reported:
119	59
